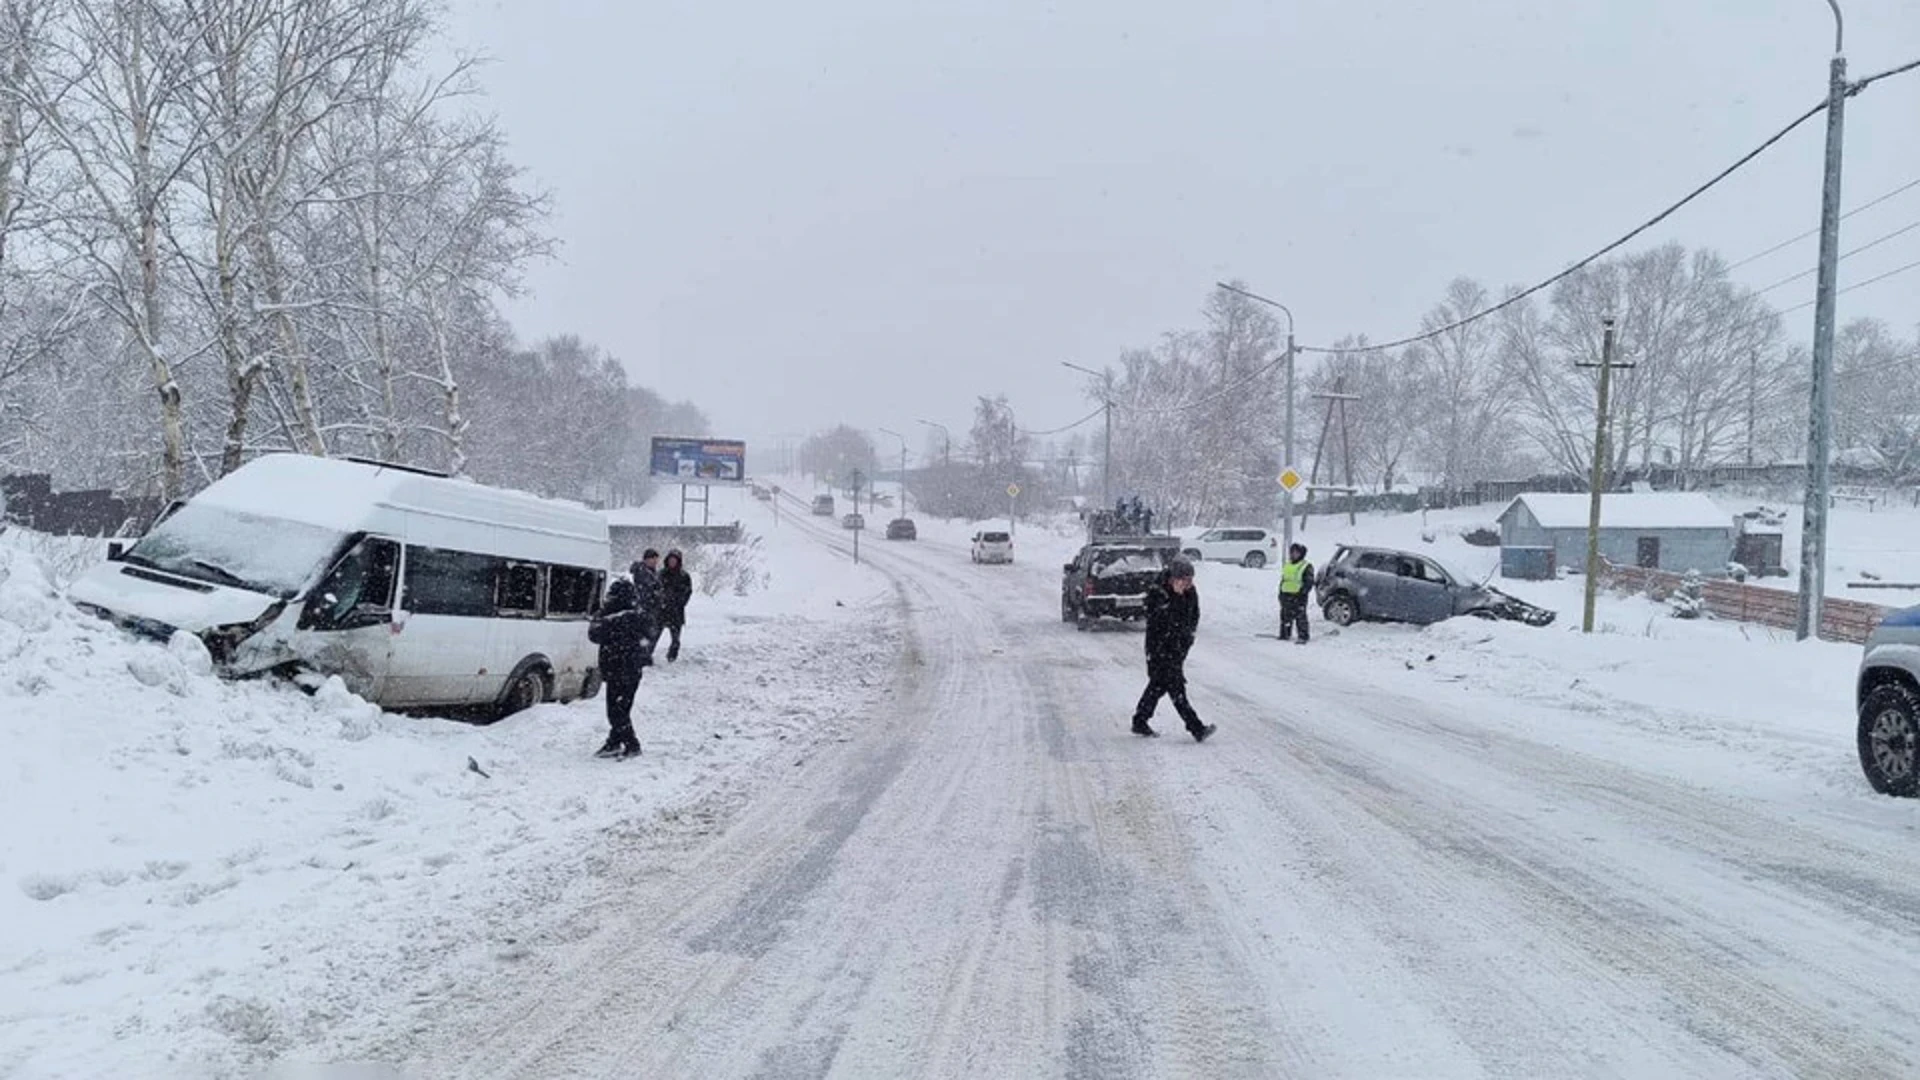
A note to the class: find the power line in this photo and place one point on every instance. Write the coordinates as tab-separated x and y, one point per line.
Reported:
1603	252
1851	90
1089	418
1901	190
1902	231
1225	391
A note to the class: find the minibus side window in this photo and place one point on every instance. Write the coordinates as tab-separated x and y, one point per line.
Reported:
358	591
517	590
441	582
570	592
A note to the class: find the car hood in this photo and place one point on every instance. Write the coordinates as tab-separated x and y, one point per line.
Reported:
159	602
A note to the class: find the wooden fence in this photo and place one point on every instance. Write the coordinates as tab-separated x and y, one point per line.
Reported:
1840	620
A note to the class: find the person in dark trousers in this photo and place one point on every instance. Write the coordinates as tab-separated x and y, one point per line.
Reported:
1173	615
625	635
676	587
650	594
1296	592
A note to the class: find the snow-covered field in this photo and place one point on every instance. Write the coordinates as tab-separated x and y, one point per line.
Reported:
198	877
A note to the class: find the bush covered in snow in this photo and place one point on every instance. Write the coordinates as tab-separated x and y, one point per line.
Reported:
1688	600
733	569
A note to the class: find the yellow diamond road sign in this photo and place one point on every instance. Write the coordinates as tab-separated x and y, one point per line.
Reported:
1289	480
1013	491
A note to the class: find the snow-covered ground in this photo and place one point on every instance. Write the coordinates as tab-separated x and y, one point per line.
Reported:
198	877
922	843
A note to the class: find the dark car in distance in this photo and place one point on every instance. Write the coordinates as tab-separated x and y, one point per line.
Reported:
902	529
1110	579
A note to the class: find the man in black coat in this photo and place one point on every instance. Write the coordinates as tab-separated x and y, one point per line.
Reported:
650	594
625	634
676	590
1173	615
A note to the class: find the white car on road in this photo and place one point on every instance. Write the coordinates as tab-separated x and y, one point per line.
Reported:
1248	547
992	547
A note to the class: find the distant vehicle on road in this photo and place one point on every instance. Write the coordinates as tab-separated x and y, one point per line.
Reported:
902	529
1887	705
992	547
853	521
1109	580
1248	547
762	492
1401	586
823	506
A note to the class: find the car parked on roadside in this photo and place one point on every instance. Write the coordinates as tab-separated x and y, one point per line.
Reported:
992	547
1109	580
1246	546
823	506
853	521
1887	705
902	529
1401	586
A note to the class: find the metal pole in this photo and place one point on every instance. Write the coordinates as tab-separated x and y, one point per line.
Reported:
1813	533
1106	470
1598	479
1286	497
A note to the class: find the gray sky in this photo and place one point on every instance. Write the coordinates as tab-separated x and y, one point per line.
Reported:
874	211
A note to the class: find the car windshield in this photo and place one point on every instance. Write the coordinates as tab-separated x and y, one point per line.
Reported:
236	549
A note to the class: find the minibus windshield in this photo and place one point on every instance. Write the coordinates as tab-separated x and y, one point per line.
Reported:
228	547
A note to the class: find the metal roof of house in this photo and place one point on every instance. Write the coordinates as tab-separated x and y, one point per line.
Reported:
1626	510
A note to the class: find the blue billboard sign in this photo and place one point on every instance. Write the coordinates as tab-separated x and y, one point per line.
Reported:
699	461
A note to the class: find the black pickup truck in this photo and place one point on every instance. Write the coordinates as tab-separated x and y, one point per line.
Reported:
1110	578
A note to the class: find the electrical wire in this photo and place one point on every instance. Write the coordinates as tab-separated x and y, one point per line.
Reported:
1901	190
1851	90
1902	231
1223	392
1603	252
1090	417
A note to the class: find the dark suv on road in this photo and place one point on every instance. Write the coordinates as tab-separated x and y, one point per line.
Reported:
1110	579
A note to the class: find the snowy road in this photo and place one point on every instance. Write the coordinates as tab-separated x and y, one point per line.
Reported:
995	879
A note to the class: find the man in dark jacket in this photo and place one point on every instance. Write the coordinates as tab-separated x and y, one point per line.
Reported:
1296	591
650	596
625	635
676	590
1173	615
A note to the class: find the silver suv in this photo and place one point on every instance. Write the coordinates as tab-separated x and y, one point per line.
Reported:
1887	701
1401	586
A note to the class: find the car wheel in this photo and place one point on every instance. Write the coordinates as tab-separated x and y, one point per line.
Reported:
1081	620
528	688
1890	740
1254	560
1340	610
1066	610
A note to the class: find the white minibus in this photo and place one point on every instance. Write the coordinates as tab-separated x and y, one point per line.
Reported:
420	591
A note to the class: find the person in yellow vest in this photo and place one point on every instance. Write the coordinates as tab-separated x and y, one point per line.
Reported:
1296	592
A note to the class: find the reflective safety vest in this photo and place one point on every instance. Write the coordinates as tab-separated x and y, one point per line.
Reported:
1293	577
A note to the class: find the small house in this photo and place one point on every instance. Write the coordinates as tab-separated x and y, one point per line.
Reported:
1675	531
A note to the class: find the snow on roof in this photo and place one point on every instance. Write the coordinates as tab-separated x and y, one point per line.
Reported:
1651	510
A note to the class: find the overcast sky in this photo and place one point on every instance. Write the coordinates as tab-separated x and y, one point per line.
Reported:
875	211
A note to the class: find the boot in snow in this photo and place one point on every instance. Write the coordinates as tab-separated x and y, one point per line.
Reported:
1144	730
1200	733
610	748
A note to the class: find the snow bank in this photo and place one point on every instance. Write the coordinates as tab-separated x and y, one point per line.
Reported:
203	876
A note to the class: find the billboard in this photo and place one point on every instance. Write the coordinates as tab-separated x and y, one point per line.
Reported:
699	461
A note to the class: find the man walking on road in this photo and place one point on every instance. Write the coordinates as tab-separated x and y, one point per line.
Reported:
1173	615
1296	591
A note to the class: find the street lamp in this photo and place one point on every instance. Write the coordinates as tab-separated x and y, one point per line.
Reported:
903	467
1106	395
1813	533
946	460
1286	496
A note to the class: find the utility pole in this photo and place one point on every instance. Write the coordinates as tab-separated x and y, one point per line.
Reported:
1106	397
1753	398
903	467
856	509
1596	483
1813	532
946	464
1286	496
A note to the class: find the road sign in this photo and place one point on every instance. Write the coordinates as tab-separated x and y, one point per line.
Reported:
1289	479
1013	491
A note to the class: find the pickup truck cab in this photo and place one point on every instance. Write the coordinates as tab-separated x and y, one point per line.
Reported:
1110	579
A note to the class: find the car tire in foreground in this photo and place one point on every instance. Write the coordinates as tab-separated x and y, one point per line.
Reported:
1890	740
